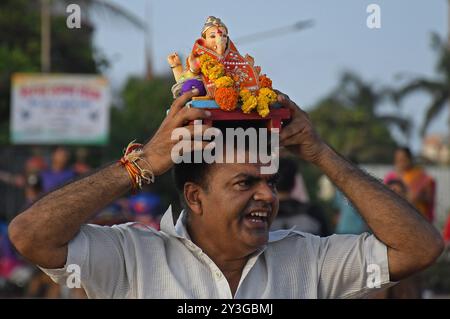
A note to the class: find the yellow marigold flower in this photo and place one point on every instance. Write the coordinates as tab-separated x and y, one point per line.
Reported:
245	93
263	105
223	82
249	103
270	94
207	66
266	97
205	58
263	112
215	72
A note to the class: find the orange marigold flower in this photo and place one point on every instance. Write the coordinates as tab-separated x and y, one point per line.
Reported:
265	82
226	98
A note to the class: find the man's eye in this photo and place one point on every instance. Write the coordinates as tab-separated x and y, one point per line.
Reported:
244	183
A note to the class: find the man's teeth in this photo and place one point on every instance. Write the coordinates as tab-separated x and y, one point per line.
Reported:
259	214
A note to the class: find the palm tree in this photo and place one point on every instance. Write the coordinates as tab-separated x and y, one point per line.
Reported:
438	88
356	93
102	6
348	119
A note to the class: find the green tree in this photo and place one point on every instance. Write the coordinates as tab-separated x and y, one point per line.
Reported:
72	51
348	119
438	88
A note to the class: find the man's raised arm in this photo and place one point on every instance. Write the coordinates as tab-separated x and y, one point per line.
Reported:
413	243
42	232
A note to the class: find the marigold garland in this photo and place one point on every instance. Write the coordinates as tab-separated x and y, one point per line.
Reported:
226	98
211	68
265	97
269	93
224	82
227	94
249	101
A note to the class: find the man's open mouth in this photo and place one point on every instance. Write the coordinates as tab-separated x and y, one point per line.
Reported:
258	217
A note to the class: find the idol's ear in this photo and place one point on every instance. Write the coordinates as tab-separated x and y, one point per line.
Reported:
192	197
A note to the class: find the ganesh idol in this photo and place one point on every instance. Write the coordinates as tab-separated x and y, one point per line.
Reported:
225	79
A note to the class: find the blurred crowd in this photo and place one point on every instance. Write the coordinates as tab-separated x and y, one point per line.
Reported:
20	279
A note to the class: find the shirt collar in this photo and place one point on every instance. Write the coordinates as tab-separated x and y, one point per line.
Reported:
179	230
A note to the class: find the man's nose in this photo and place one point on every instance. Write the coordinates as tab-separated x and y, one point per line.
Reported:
265	193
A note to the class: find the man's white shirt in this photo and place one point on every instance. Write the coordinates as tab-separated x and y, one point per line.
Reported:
135	261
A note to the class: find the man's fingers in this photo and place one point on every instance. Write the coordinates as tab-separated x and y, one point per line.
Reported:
299	117
285	101
292	140
190	114
198	131
181	101
290	130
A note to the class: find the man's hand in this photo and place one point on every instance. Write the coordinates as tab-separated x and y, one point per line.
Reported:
299	136
158	149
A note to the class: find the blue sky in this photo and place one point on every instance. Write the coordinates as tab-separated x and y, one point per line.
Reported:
307	64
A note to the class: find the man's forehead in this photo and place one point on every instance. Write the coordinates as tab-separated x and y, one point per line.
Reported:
232	170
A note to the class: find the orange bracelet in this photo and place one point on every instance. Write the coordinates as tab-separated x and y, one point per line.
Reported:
131	172
132	155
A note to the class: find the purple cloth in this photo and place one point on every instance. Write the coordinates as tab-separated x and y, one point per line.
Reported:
193	84
51	179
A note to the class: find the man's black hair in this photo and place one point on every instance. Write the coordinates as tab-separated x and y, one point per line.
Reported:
287	170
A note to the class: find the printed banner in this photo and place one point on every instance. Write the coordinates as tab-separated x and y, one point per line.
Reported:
59	109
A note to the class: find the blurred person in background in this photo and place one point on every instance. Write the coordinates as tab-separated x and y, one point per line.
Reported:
59	172
302	216
33	188
80	166
421	188
113	214
146	209
446	232
14	271
349	221
33	165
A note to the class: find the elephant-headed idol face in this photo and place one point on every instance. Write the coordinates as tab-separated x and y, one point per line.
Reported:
216	39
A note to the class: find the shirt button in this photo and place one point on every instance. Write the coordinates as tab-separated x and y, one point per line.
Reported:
218	275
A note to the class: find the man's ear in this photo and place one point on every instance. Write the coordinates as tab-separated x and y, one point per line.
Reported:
192	197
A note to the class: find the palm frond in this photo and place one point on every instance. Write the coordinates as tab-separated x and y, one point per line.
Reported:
403	124
437	106
428	86
112	10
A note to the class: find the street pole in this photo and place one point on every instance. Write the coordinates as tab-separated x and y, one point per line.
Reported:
148	41
45	36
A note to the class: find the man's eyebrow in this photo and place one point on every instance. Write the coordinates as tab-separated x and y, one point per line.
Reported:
257	177
246	175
